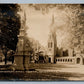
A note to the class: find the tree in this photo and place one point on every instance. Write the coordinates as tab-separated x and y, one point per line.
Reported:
74	25
9	27
77	26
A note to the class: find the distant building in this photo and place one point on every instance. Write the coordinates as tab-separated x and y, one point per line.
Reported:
70	56
52	43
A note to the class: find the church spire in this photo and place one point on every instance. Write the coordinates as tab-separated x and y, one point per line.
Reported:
53	19
52	43
52	26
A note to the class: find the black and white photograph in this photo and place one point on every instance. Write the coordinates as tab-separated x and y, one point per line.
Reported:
42	42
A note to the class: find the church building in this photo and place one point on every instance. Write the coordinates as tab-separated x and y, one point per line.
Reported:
52	49
52	43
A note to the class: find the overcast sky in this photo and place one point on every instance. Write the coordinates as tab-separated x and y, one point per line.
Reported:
39	24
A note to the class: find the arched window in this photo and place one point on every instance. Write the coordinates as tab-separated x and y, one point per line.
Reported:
48	45
51	44
63	60
68	60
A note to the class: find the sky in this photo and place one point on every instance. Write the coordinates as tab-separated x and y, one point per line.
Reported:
39	24
39	27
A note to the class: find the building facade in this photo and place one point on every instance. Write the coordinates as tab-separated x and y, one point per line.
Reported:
52	43
74	55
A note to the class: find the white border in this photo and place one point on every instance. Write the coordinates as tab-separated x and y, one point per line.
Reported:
43	1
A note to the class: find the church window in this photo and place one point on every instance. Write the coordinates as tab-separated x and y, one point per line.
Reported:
70	60
51	44
48	45
65	60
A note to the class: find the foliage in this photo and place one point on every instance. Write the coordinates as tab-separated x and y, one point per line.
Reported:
9	25
73	31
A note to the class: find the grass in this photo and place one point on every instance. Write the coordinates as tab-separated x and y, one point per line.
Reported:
34	76
39	75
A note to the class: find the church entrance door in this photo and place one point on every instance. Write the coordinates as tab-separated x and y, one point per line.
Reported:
49	60
78	60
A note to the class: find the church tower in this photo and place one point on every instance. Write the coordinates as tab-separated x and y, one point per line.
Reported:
52	43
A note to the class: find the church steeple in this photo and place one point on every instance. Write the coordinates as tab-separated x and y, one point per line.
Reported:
52	44
52	25
53	19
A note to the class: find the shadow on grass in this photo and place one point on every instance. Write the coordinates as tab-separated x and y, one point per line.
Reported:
35	76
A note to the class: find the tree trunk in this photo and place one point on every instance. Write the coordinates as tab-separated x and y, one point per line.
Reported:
5	58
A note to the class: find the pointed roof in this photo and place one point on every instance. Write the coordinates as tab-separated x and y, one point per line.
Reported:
52	28
52	20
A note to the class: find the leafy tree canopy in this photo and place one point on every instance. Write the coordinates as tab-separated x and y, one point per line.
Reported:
9	25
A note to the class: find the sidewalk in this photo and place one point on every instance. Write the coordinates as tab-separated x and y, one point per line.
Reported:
79	69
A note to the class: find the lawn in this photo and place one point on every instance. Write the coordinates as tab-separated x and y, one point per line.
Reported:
43	72
36	76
